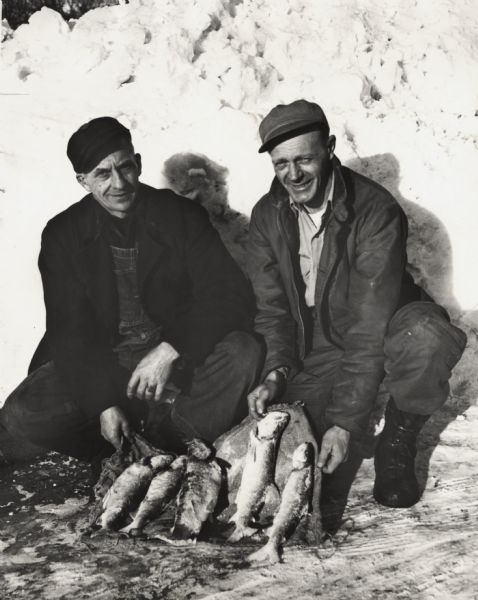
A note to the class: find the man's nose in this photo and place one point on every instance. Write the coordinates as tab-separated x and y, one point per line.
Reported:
295	172
117	179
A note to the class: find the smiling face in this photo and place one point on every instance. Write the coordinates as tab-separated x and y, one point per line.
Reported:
114	181
302	165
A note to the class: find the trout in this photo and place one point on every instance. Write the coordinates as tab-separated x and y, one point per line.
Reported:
295	503
199	492
257	482
129	488
162	488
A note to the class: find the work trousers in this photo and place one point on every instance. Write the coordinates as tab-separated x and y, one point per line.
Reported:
41	410
420	349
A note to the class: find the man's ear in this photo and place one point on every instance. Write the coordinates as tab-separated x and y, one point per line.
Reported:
80	178
137	158
331	146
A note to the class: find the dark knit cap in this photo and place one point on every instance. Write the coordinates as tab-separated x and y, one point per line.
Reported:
288	120
94	140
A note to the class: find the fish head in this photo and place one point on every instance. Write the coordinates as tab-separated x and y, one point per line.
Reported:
199	449
272	424
161	461
179	462
302	455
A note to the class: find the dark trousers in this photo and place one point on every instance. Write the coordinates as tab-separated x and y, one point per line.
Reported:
41	411
420	349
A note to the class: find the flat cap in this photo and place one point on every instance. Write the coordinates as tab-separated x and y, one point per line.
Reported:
94	141
284	120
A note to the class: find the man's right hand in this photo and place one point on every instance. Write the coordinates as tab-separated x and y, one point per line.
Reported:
265	394
115	426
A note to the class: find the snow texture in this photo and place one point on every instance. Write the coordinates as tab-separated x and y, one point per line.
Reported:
193	78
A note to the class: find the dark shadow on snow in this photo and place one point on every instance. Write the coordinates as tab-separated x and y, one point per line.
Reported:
430	263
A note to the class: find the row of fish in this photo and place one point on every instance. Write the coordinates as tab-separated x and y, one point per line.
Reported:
258	491
145	488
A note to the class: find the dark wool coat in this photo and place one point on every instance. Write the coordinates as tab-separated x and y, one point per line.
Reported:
361	283
188	283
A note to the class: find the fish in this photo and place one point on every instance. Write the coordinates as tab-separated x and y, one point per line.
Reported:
257	482
162	489
199	492
129	488
295	503
129	452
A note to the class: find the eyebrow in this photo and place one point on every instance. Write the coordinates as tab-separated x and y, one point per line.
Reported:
300	157
101	171
104	170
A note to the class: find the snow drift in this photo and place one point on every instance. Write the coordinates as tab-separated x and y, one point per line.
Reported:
398	81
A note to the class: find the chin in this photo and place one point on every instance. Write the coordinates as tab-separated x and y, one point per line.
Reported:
123	206
302	198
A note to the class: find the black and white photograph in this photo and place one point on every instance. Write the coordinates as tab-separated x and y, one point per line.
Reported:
239	312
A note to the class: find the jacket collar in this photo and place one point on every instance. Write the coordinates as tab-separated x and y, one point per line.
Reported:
340	209
94	257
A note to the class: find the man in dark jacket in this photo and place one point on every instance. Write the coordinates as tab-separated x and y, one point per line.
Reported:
143	305
337	310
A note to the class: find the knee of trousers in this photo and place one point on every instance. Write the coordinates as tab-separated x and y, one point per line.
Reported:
423	329
39	409
421	348
243	350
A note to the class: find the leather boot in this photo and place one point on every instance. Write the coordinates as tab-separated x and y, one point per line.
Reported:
396	485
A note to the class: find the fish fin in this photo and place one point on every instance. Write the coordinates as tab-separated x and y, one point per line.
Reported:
109	519
269	552
252	445
104	502
241	532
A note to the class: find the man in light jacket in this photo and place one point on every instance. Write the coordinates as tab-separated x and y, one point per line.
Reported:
337	310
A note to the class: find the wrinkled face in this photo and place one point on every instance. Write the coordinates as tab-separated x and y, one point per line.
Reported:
114	181
302	165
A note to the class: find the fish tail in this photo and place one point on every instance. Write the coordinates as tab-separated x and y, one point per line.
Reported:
133	529
269	552
182	532
172	541
241	531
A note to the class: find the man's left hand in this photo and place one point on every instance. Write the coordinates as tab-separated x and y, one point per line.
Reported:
152	372
334	449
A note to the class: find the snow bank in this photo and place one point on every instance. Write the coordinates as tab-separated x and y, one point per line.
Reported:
398	81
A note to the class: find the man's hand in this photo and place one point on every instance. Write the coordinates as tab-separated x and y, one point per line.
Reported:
152	373
115	426
265	394
334	449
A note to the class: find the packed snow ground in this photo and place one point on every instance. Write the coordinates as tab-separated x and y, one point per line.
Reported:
398	81
427	552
